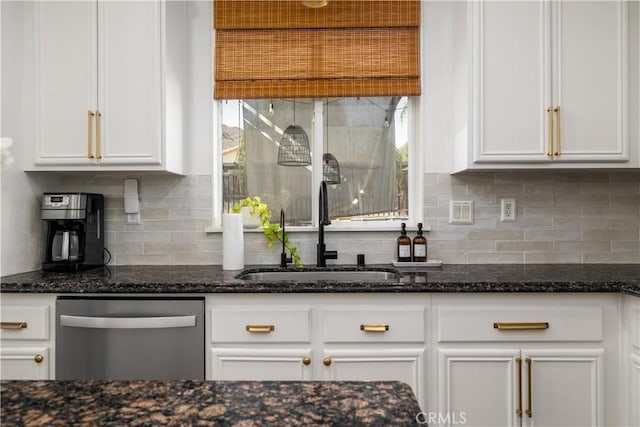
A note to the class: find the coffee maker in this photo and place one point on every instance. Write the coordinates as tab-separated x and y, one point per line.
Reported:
74	238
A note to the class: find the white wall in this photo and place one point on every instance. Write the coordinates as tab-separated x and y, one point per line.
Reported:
199	154
21	230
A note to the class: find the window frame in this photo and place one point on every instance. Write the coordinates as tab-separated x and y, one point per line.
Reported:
415	176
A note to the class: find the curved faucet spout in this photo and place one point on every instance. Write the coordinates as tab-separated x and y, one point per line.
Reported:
322	255
284	259
323	205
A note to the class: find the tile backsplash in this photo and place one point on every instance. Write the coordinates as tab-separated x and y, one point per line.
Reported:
562	217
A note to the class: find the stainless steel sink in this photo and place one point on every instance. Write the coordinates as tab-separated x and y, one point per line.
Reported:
320	275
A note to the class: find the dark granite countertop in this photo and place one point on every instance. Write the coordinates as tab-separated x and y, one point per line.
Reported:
623	278
190	402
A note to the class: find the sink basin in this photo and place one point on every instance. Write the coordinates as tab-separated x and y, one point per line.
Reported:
319	275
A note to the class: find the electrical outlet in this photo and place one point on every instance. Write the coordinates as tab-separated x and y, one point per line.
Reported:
507	210
133	218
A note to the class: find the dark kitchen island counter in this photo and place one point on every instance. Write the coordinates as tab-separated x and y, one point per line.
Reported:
190	402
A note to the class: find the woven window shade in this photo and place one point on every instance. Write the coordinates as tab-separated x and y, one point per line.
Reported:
282	49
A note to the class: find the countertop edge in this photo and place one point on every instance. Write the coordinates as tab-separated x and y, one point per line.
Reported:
462	278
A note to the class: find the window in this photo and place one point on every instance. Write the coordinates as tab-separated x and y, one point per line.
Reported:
371	138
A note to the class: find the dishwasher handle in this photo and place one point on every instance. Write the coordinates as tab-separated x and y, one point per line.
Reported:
128	322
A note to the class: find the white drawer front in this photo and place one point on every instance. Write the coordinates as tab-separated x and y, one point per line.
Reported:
255	324
373	324
24	323
24	363
520	324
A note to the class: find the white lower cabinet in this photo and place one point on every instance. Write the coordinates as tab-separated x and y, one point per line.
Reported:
631	359
403	364
261	364
633	394
478	385
26	337
534	361
563	387
298	337
256	341
512	387
24	363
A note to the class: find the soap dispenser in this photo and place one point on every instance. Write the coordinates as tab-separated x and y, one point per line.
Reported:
420	246
404	245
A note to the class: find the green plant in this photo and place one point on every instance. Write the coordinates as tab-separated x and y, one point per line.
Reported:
272	232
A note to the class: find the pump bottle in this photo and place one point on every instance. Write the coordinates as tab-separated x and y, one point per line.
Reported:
404	245
420	246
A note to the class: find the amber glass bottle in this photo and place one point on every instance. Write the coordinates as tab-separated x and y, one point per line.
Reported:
404	245
420	246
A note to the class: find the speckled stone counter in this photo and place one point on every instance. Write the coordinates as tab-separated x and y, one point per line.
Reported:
186	402
623	278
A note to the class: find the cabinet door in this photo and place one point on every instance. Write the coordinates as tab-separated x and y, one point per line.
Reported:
24	363
511	87
634	392
563	387
379	364
480	385
590	89
65	80
130	84
257	364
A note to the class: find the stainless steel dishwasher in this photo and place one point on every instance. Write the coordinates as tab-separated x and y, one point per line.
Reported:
129	338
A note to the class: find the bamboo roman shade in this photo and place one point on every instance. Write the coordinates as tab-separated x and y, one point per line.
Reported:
283	49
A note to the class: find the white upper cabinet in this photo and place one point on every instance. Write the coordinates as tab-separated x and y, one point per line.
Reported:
590	95
510	82
109	85
65	84
548	85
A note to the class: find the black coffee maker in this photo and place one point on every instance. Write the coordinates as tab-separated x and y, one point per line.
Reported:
74	238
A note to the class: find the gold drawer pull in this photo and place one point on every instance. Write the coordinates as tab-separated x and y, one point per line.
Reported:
90	116
98	135
519	369
306	361
13	325
529	410
550	142
326	361
374	328
38	358
520	326
260	329
558	147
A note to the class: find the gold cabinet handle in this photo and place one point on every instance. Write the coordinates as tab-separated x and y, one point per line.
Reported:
326	361
260	329
374	328
90	116
529	410
306	361
98	135
520	326
38	358
550	142
558	148
519	369
13	325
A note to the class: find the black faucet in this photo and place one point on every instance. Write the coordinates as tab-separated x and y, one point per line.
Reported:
283	256
323	219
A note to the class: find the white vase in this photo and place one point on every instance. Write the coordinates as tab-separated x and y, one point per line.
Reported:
232	242
249	221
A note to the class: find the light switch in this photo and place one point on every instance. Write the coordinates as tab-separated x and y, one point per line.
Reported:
461	212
